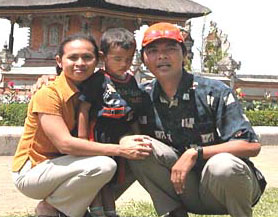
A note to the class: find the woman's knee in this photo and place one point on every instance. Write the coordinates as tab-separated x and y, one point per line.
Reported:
106	166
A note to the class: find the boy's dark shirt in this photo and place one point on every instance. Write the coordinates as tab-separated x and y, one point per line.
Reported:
115	104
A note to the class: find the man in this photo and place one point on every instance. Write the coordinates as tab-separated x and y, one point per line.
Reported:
201	163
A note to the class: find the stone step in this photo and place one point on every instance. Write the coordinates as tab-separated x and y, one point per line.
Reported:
9	137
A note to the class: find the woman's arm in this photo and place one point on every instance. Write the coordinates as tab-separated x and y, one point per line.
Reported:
56	130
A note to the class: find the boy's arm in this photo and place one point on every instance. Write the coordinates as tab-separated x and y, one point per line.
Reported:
83	120
135	128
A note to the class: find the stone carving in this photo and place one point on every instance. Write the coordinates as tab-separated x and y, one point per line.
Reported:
6	59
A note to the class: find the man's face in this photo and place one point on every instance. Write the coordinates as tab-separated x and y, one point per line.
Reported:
164	58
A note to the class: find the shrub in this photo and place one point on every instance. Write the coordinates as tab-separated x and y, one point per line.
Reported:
261	112
13	114
263	117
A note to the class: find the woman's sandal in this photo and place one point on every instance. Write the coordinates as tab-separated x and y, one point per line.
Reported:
60	214
111	213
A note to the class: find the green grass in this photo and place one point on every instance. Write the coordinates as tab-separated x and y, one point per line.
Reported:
267	207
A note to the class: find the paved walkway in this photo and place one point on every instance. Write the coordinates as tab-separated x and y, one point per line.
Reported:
13	202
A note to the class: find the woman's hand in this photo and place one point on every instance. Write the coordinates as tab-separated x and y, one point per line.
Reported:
181	168
135	147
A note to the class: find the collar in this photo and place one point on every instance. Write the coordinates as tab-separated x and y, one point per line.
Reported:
66	86
184	86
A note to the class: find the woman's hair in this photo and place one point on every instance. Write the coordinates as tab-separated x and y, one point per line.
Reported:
60	51
117	37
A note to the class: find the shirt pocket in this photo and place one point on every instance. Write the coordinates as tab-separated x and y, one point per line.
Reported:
206	133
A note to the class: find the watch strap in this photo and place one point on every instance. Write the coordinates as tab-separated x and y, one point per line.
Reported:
199	150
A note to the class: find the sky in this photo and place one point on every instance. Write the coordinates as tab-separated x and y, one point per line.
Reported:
251	26
252	31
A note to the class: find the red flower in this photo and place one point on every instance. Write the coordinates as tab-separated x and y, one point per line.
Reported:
10	84
276	93
241	94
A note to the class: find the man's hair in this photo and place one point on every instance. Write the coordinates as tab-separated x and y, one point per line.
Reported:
117	37
61	48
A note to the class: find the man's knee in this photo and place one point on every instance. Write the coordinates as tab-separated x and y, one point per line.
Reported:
224	166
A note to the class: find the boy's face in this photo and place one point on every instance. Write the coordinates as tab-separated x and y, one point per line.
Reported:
118	60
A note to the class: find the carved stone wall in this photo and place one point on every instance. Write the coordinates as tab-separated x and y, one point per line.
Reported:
46	33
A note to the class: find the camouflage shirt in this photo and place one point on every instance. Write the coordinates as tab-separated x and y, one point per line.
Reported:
203	112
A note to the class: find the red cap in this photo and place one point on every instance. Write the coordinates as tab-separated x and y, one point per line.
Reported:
162	30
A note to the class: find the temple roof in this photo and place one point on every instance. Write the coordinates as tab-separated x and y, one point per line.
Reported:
166	8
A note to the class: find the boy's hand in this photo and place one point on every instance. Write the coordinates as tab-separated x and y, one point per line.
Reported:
135	147
43	80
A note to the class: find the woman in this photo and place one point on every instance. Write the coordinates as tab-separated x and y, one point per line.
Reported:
50	164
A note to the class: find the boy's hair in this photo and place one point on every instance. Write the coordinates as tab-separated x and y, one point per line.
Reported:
117	37
60	51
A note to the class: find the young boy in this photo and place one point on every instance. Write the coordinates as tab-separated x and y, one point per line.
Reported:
111	100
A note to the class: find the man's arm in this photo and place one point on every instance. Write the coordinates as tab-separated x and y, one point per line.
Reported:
186	162
43	80
83	120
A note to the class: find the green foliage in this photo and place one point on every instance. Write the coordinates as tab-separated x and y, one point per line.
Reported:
263	117
136	209
214	55
13	114
262	105
261	113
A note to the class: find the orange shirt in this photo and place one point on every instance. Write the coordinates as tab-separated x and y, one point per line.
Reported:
59	98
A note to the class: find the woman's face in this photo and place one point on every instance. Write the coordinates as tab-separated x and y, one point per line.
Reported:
79	60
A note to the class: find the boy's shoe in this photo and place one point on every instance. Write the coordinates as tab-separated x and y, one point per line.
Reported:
96	211
175	214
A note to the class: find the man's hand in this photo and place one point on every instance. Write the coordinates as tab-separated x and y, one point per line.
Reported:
43	80
135	147
181	168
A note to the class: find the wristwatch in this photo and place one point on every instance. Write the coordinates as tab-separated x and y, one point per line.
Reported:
199	150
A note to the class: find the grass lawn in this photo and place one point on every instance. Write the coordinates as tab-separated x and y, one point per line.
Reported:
267	207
